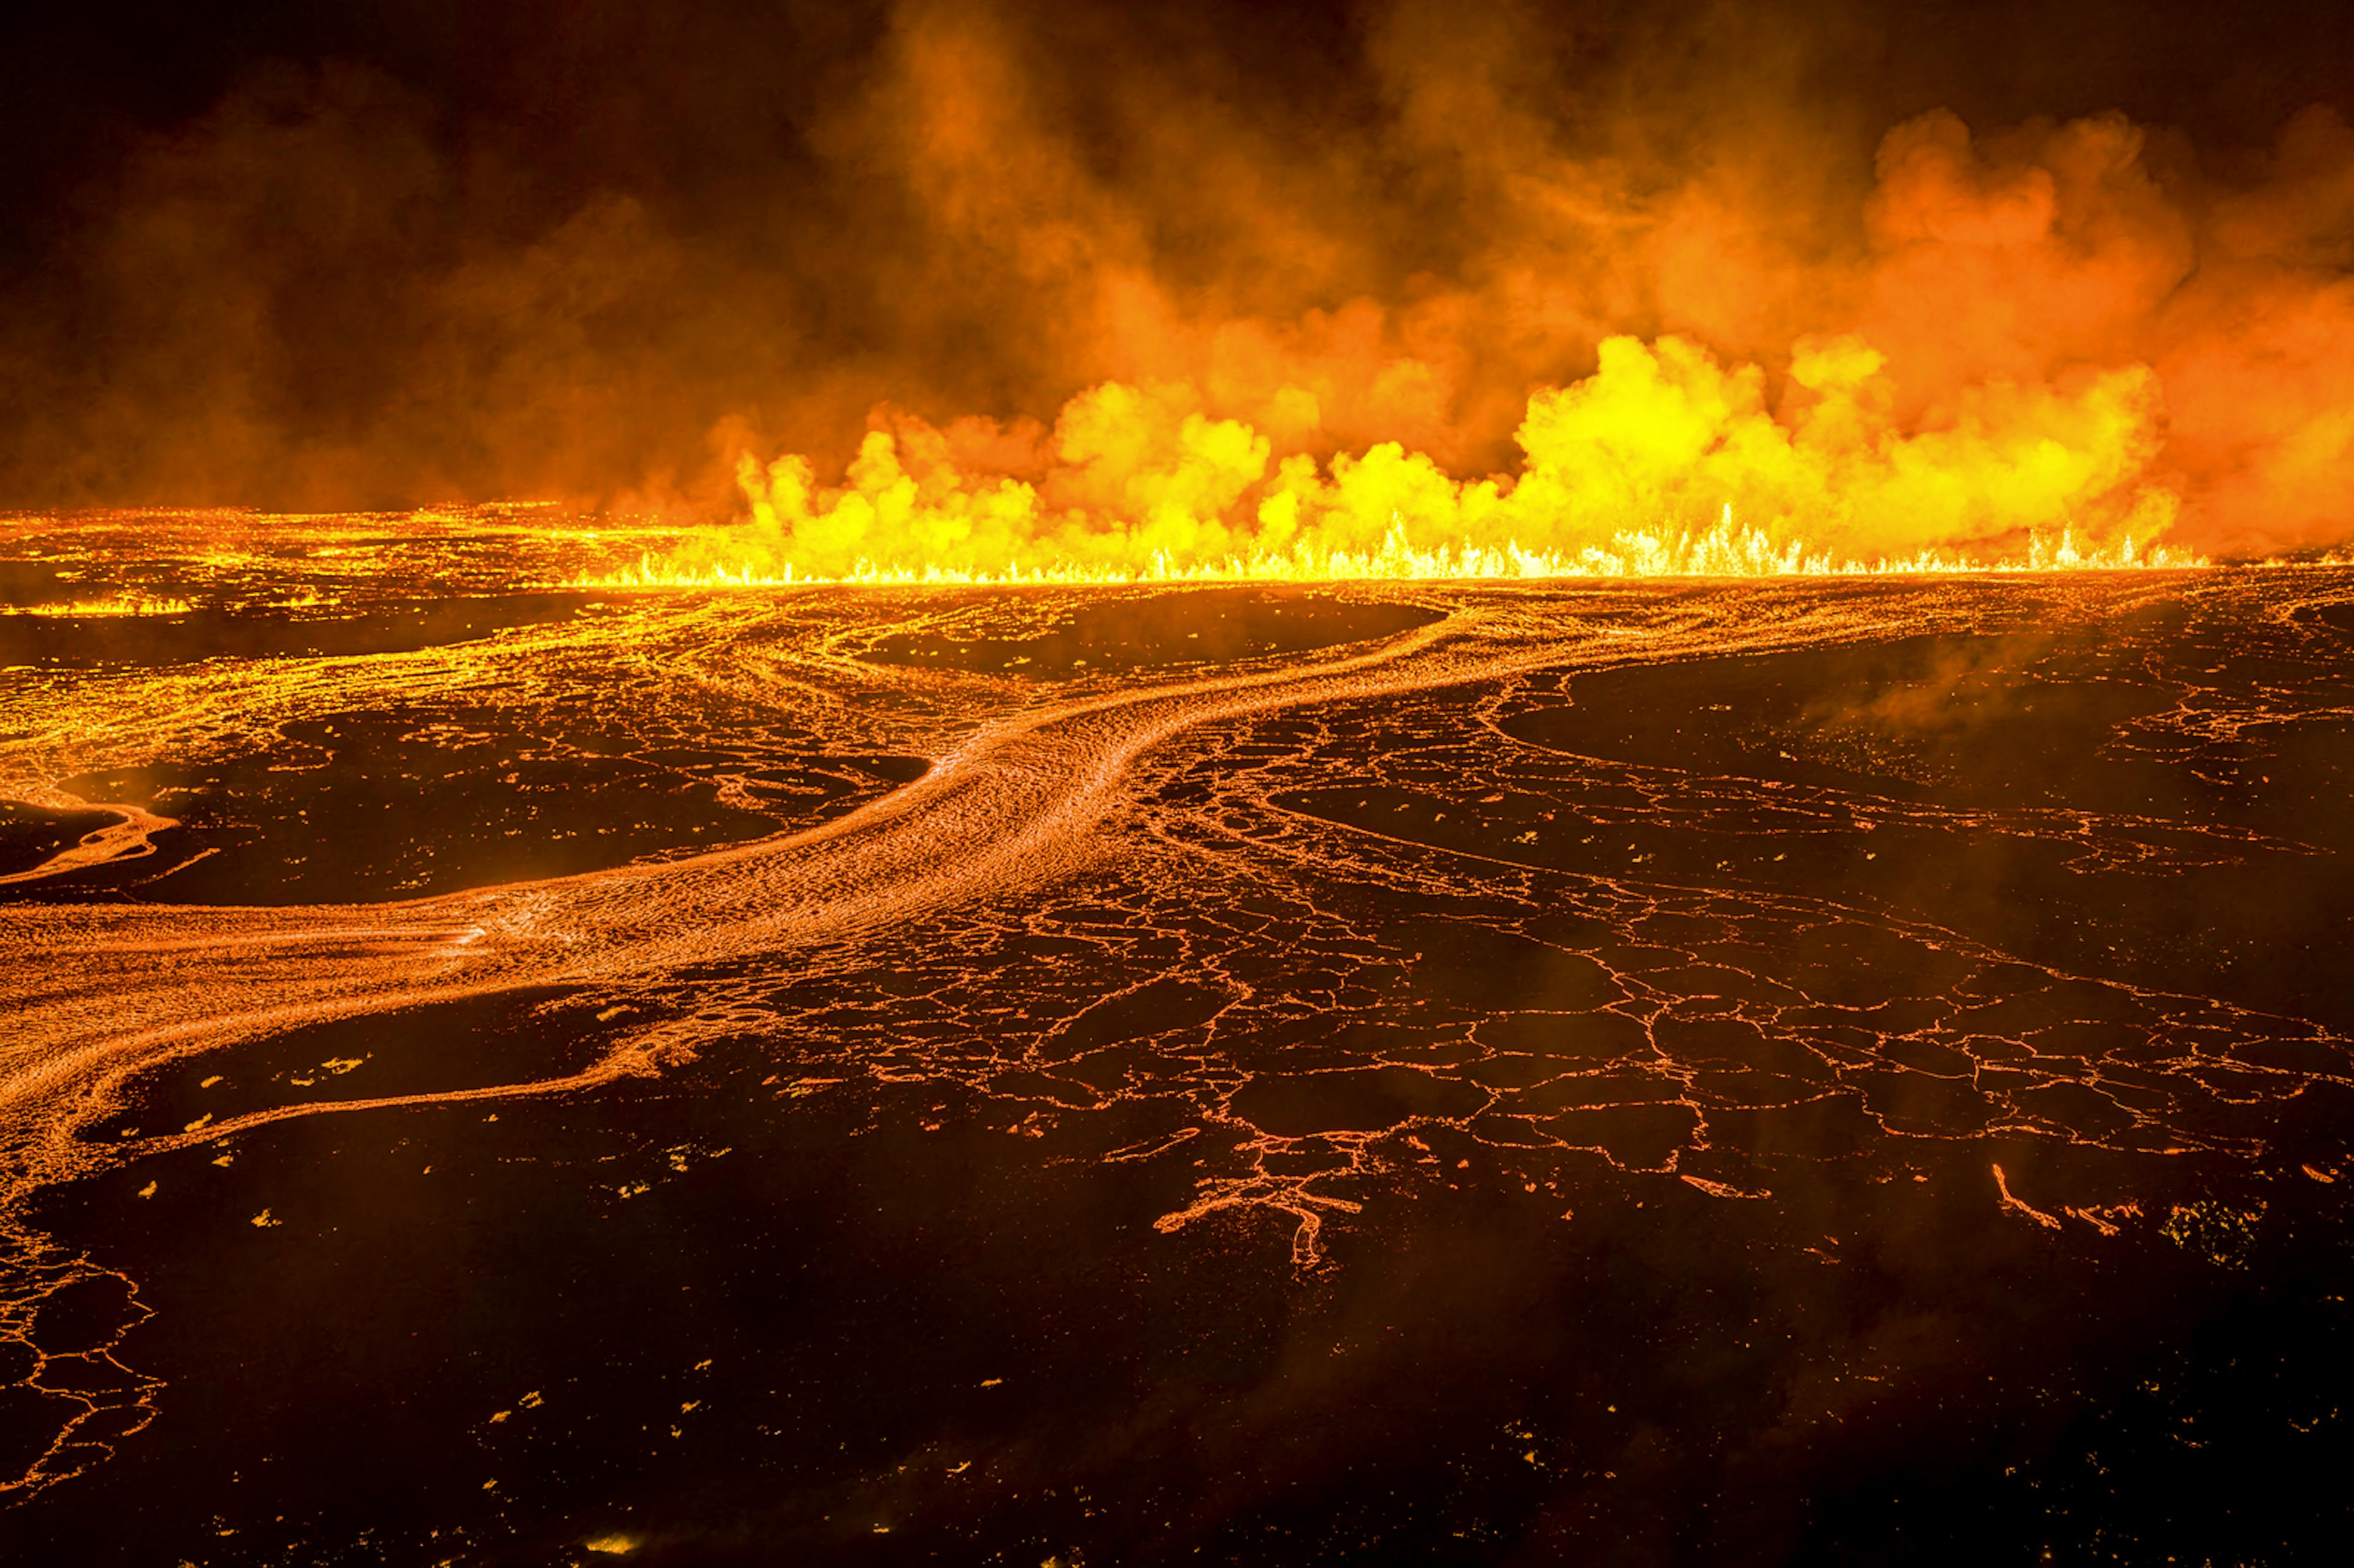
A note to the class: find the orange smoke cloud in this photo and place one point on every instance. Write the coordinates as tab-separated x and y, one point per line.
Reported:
1104	286
2045	330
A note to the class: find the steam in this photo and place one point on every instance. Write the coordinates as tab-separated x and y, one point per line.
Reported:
1010	284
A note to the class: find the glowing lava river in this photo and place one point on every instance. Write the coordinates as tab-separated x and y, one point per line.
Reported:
1717	1071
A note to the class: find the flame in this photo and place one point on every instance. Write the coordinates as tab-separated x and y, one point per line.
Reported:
1636	470
1727	550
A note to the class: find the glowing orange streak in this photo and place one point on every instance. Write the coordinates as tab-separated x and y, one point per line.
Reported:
2012	1204
618	1064
113	604
128	838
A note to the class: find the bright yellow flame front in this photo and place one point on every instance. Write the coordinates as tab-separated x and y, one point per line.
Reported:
1664	462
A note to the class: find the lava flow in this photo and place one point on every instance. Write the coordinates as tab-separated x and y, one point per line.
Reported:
1353	781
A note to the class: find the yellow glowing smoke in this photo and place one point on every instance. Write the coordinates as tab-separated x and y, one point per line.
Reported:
1640	468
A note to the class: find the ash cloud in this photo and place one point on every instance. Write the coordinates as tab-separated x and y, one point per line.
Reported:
1906	276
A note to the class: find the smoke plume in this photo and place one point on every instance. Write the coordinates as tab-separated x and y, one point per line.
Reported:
972	284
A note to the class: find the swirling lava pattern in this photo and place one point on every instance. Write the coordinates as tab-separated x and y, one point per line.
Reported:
1325	930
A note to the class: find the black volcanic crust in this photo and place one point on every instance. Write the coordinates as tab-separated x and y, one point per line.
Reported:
1132	630
31	583
521	1036
383	809
30	835
64	641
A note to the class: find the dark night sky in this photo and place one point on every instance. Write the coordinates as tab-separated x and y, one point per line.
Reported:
381	253
684	100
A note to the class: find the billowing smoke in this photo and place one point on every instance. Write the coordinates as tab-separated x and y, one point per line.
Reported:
975	285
